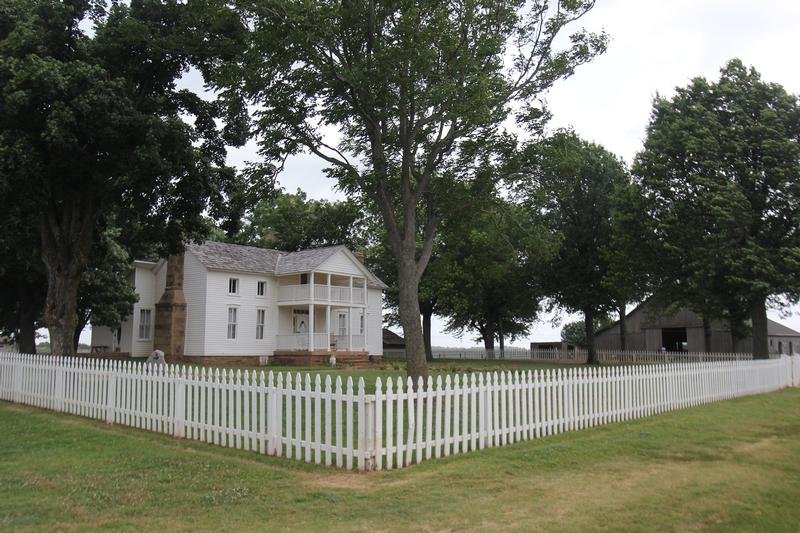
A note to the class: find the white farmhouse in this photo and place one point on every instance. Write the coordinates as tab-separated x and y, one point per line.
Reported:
226	303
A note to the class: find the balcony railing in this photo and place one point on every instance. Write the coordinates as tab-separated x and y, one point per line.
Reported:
338	294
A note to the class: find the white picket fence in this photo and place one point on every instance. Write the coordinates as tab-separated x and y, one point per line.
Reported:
392	427
577	356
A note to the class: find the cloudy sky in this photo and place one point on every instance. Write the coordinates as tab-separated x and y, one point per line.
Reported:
655	46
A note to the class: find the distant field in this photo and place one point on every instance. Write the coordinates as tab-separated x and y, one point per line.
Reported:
730	466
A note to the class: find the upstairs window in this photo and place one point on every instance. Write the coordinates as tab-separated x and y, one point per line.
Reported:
261	318
233	286
145	317
232	322
303	279
261	288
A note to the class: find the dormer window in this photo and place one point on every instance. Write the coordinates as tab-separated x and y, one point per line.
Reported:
233	286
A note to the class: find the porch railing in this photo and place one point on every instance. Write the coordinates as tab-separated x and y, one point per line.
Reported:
338	294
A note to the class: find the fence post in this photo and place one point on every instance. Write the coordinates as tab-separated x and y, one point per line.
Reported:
179	417
369	428
111	393
16	380
60	385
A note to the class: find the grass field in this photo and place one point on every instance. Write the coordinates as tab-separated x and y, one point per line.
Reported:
728	466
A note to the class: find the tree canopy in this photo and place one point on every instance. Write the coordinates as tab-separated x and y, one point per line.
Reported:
386	92
92	123
570	187
720	167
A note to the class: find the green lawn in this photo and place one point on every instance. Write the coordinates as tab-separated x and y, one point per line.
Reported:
728	466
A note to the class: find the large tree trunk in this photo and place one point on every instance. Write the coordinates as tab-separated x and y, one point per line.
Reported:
502	338
758	314
83	321
623	329
706	335
61	311
588	321
487	334
427	314
26	334
66	240
410	320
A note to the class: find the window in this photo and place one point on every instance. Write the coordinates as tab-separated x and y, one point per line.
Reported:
232	322
780	346
303	279
261	288
361	324
145	316
261	318
233	286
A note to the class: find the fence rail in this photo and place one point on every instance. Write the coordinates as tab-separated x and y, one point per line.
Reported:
330	422
577	356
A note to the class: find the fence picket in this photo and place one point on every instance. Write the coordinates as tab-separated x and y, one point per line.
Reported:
392	428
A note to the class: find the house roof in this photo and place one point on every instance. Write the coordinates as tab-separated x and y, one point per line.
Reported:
390	338
304	260
776	329
240	258
223	256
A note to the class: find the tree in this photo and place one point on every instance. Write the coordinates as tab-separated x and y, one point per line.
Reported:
574	333
292	222
570	187
631	253
402	84
91	123
105	295
720	166
486	261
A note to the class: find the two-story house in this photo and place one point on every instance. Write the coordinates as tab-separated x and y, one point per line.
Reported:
224	303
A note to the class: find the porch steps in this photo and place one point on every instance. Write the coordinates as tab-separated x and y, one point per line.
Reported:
322	358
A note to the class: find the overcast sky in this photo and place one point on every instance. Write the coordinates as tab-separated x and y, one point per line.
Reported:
655	46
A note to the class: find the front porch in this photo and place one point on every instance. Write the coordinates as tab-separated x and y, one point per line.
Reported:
310	334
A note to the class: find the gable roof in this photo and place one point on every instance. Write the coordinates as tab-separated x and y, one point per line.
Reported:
776	329
390	338
224	256
239	258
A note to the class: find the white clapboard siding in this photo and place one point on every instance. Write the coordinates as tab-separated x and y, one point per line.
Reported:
401	423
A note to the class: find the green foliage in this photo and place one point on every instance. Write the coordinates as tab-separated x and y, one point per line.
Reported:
720	167
404	85
569	188
105	295
574	333
94	132
291	222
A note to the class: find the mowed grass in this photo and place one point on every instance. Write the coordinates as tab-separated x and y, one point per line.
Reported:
729	466
394	368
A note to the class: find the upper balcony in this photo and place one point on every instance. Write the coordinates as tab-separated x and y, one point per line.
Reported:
323	289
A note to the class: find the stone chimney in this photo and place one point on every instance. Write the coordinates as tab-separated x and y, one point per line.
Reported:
170	322
359	256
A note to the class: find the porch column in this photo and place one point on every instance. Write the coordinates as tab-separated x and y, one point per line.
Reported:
310	327
329	299
328	319
311	286
350	321
351	289
364	333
